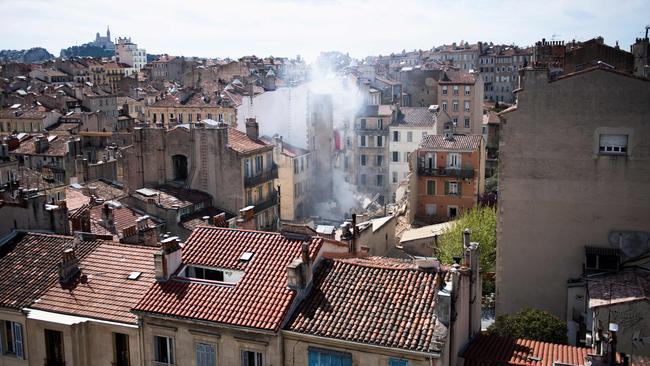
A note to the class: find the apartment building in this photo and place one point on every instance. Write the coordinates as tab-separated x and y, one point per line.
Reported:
186	107
405	134
450	176
128	53
367	158
460	94
499	68
465	56
585	182
295	178
235	168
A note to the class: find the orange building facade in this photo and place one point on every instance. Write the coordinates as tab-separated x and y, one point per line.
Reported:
450	176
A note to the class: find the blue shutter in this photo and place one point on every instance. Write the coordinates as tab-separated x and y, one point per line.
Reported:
18	340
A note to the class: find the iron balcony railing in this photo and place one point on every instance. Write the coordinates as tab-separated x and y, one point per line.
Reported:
446	172
262	177
270	202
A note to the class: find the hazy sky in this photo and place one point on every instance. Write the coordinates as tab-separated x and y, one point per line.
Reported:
235	28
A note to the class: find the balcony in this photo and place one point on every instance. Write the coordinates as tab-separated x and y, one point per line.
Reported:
270	202
446	172
262	177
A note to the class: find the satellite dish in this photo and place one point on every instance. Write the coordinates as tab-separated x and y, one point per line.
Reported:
631	243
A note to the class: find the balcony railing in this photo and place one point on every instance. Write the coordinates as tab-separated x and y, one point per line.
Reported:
270	202
446	172
261	178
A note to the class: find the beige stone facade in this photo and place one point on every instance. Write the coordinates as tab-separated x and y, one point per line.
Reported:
294	178
573	166
460	94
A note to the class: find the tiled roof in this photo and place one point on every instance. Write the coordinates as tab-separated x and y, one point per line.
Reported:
28	266
56	147
375	111
457	77
491	350
242	143
107	294
381	301
459	142
105	190
123	217
194	220
169	195
31	179
415	117
261	299
617	288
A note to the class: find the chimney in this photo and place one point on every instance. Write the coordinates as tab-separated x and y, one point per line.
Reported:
444	306
299	272
146	235
472	261
220	220
69	265
246	218
355	232
41	144
168	259
107	215
252	128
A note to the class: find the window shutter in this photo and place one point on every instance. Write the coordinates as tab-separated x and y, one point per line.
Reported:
446	187
18	337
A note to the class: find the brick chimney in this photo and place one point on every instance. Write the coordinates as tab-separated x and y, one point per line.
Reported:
246	218
299	272
107	215
252	128
41	144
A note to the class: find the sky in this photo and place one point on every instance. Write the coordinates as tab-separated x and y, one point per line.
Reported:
234	28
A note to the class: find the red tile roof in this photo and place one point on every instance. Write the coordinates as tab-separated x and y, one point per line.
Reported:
415	117
261	299
380	301
28	265
108	293
457	77
242	143
487	350
617	288
459	142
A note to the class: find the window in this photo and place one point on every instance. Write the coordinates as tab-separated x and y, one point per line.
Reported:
121	350
455	106
259	163
611	144
163	348
251	358
430	209
206	354
444	90
380	124
248	171
395	156
363	160
380	180
394	177
395	136
363	123
209	115
466	122
362	141
444	105
380	141
398	361
189	117
322	357
453	160
409	136
455	89
198	117
452	188
53	347
363	179
249	197
467	106
380	160
467	89
431	188
204	273
296	166
13	339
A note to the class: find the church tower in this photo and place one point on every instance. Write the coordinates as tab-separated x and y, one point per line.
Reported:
108	33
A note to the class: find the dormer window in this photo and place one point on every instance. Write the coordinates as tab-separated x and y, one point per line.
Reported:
205	273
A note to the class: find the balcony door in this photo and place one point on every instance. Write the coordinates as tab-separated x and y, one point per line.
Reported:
53	348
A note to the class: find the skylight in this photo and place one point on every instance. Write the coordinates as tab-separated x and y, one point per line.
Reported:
246	256
134	275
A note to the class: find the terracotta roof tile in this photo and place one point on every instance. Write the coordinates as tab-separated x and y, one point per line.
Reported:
379	301
459	142
491	350
56	147
28	266
617	288
415	117
261	299
457	77
108	293
242	143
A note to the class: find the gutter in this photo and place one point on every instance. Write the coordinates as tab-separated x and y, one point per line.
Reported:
299	335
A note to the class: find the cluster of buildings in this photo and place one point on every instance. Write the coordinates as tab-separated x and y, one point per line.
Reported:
198	211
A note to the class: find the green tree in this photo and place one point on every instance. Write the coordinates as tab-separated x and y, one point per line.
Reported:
531	324
482	221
